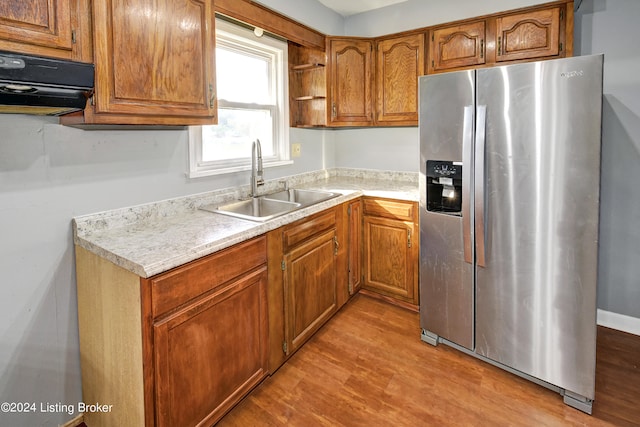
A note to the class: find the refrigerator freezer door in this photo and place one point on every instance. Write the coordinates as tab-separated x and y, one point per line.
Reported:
536	295
446	280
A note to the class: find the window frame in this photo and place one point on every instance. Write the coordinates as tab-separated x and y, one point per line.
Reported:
231	33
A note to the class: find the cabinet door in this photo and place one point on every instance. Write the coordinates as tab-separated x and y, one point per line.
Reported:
310	288
355	246
210	354
528	35
390	258
458	46
351	81
36	26
399	63
155	57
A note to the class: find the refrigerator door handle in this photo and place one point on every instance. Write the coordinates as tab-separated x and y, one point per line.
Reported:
479	183
467	159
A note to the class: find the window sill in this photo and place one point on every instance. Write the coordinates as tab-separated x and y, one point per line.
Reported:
222	171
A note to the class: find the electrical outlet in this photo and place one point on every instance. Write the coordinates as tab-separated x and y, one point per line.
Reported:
296	150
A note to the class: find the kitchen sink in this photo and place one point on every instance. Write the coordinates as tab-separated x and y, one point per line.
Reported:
255	209
269	206
304	197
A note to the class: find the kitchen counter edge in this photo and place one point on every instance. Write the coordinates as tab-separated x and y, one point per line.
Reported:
150	239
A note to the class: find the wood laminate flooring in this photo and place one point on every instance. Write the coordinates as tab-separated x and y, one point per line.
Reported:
368	367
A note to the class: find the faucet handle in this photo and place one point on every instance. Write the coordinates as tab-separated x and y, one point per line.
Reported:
285	184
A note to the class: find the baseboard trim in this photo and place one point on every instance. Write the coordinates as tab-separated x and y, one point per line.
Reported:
75	422
620	322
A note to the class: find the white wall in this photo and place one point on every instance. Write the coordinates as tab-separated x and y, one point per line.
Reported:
311	13
421	13
50	173
385	149
611	27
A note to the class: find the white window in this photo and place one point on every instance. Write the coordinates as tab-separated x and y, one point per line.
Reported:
251	79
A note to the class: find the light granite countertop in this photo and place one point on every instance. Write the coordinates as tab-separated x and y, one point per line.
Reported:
152	238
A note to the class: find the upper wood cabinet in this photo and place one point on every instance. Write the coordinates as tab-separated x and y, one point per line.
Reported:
399	63
378	87
155	63
457	46
538	32
350	83
529	35
38	27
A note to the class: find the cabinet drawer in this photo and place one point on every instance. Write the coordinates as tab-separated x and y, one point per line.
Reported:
304	229
395	209
176	287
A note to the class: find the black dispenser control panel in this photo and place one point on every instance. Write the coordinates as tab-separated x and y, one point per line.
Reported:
439	168
444	187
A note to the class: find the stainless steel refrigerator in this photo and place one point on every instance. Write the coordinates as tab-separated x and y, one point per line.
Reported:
509	195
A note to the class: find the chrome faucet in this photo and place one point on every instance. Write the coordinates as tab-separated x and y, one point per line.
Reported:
257	178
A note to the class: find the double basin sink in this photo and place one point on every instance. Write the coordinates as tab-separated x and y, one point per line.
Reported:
264	208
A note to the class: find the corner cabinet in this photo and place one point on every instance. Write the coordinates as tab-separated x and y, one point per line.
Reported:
350	82
155	63
177	349
391	249
399	63
38	27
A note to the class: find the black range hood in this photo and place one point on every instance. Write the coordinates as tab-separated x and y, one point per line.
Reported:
38	85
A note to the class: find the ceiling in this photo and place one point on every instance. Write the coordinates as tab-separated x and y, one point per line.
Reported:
351	7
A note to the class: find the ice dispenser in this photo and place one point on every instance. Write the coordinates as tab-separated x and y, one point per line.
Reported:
444	187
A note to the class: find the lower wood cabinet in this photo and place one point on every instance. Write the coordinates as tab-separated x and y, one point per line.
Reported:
310	287
391	249
210	354
183	347
354	213
177	349
307	279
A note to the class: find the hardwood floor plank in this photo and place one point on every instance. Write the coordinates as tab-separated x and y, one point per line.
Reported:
368	367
